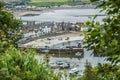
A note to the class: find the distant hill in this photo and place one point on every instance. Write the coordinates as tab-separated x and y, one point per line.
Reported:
9	0
56	0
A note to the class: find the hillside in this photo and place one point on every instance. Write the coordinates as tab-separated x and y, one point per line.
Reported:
56	0
10	0
48	3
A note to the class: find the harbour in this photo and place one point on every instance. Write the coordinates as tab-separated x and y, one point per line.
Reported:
59	40
61	43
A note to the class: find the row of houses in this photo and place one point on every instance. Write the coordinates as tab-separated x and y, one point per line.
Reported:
54	26
32	29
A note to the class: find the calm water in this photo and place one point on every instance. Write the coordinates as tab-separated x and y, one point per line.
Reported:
76	61
66	15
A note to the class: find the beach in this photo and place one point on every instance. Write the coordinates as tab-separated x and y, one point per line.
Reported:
41	42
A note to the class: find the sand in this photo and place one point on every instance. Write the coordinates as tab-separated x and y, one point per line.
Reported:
40	43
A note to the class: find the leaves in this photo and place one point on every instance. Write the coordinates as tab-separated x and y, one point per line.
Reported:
16	65
105	38
9	25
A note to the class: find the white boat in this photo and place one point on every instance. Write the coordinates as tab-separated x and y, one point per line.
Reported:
74	71
78	53
53	65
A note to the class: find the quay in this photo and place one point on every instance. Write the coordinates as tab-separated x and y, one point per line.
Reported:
53	38
65	50
55	46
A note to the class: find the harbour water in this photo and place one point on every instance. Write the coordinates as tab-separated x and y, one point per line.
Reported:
74	60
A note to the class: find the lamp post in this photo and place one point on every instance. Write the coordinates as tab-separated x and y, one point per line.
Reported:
59	51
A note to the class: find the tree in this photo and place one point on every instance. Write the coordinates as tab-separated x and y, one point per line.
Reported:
88	73
104	38
19	64
9	26
22	65
24	2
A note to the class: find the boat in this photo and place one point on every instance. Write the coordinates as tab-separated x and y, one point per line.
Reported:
71	46
45	49
65	65
61	64
74	71
53	65
78	53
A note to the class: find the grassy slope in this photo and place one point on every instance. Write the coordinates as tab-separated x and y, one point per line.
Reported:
49	0
49	3
54	0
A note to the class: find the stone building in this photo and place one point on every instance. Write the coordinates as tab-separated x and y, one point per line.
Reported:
32	29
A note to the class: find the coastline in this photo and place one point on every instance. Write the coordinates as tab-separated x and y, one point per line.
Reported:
18	13
42	41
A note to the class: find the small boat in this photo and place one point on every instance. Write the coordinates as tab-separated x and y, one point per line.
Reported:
65	65
45	49
74	71
60	62
78	54
67	38
71	46
53	65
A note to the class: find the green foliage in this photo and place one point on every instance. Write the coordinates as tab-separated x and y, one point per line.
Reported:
88	73
23	2
9	26
101	72
1	5
49	0
107	72
20	65
17	2
105	38
56	3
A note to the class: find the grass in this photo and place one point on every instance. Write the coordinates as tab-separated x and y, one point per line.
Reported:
49	0
48	3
